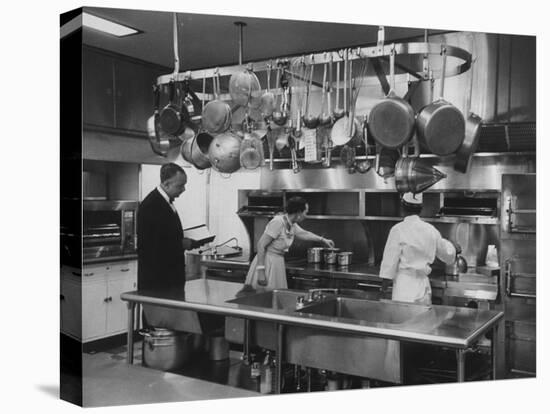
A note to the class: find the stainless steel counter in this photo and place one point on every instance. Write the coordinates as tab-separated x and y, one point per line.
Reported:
454	327
477	284
440	325
358	271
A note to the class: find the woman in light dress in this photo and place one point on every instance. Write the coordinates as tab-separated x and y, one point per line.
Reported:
267	270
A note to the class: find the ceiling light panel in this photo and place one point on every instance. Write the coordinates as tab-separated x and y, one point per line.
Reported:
106	26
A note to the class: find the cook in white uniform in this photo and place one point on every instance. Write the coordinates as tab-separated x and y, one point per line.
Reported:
411	247
267	270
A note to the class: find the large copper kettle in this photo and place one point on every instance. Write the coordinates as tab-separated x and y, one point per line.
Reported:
224	152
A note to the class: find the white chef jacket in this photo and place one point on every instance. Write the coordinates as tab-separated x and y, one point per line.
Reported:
411	246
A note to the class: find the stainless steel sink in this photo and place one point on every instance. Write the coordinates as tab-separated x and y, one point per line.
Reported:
263	334
366	310
353	354
275	299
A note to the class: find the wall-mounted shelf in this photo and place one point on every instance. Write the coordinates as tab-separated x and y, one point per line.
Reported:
383	205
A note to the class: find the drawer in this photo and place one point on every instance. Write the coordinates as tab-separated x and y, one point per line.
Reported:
228	275
364	289
110	269
305	282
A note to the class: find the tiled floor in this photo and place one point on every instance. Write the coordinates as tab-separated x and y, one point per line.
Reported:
108	380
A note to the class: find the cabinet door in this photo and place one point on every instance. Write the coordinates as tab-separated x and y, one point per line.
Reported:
94	310
71	309
134	95
117	310
97	89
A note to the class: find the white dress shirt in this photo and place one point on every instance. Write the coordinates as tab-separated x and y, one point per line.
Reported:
167	198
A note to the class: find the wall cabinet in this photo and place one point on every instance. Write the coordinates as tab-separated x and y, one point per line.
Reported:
100	312
97	89
117	93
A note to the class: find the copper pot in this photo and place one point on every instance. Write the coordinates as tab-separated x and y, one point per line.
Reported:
192	153
224	152
315	255
330	255
344	258
441	125
391	121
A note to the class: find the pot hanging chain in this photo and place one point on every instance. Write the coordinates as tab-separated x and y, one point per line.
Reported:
176	51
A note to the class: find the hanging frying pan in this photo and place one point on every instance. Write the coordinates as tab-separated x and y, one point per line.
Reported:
160	143
170	115
463	156
440	124
391	121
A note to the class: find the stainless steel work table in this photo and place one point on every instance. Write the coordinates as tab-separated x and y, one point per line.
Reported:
457	328
356	271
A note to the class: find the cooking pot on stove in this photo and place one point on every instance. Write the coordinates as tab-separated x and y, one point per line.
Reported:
344	258
330	255
315	255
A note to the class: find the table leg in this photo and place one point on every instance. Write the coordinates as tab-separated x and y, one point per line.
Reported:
460	364
494	350
279	358
130	335
246	342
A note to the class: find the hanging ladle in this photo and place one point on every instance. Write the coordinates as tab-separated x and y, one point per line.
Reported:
281	116
338	111
325	118
310	121
268	100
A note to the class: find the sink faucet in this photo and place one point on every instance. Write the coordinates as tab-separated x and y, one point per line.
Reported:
313	295
317	294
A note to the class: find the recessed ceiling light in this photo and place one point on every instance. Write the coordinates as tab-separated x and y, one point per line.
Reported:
106	26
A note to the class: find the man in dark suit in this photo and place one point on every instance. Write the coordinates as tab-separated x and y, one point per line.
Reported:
161	245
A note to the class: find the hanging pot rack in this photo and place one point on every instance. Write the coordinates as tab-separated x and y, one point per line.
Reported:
381	51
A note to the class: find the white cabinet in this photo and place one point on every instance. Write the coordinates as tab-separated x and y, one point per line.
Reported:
70	304
102	312
117	315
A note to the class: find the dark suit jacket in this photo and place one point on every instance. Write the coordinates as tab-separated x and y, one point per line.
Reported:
161	259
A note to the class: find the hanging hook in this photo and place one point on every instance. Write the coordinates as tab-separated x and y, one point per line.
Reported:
176	57
241	26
